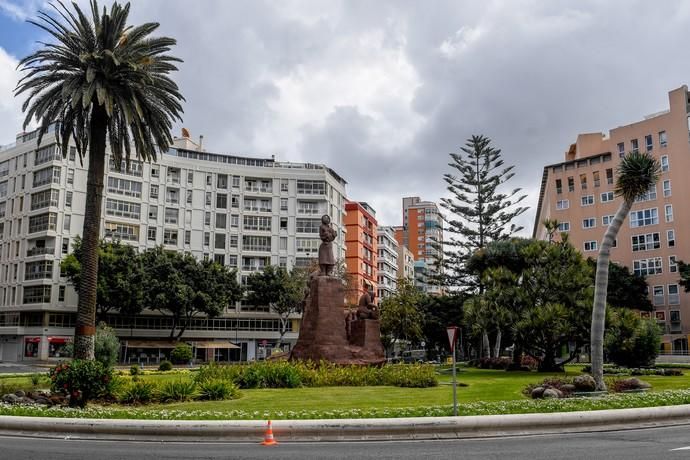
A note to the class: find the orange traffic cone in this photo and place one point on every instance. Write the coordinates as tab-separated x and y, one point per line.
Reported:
268	436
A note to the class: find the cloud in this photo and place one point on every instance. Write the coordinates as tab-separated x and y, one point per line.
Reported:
383	91
10	107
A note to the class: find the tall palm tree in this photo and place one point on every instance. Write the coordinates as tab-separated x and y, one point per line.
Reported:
637	172
103	82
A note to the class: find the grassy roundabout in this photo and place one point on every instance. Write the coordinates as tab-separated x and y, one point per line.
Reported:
486	392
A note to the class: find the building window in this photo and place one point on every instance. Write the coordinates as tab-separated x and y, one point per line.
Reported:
590	245
235	183
258	223
68	199
234	221
571	184
126	187
70	176
190	177
61	293
256	243
67	222
235	201
153	191
221	201
658	296
152	234
673	294
590	222
606	197
644	217
587	200
65	245
219	259
662	139
648	142
153	212
219	241
671	238
208	198
646	267
668	212
606	220
171	215
209	179
222	181
221	220
172	195
189	197
583	181
596	179
621	149
283	204
283	223
634	146
283	243
122	209
646	242
155	172
672	264
562	204
564	226
233	241
664	163
609	176
207	238
37	294
170	237
667	187
72	155
187	237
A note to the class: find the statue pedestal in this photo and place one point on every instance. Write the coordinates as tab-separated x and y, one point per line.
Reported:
323	332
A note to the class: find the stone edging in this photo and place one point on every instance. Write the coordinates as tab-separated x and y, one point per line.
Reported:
347	429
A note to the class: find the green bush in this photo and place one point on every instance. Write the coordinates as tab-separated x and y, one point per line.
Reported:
106	346
284	374
35	379
177	390
216	390
181	354
631	341
134	369
165	366
82	381
139	393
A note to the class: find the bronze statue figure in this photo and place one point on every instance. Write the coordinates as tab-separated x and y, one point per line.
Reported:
327	235
366	308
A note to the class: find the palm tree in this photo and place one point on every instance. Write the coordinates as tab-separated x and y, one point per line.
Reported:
103	82
637	172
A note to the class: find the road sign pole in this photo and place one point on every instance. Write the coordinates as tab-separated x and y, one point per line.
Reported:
452	339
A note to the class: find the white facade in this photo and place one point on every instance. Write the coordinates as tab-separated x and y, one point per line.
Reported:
405	263
242	212
387	262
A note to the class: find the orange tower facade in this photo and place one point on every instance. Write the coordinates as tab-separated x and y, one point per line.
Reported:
361	248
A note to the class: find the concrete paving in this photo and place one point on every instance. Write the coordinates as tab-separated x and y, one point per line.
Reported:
19	368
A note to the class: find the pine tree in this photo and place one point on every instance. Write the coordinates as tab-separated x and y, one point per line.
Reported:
478	212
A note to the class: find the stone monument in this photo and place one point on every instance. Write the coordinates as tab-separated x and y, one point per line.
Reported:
327	331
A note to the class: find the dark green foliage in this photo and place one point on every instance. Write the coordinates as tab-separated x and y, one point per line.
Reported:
36	379
625	289
107	347
279	289
165	366
81	380
491	363
180	286
478	212
134	369
217	390
684	270
181	354
140	392
439	312
120	277
283	374
631	341
177	390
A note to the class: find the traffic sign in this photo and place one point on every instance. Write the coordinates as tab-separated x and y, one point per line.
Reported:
452	337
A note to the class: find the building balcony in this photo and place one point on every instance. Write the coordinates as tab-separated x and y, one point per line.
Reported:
36	251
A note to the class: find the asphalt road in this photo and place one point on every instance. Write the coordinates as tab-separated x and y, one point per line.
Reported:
16	368
653	443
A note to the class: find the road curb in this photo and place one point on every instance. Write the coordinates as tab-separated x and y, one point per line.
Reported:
462	427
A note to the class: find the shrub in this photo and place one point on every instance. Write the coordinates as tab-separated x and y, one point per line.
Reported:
106	346
631	341
629	384
82	381
215	390
181	354
165	366
491	363
35	379
134	369
139	393
270	374
177	390
564	385
220	371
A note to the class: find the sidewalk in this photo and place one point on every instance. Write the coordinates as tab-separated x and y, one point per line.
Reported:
349	429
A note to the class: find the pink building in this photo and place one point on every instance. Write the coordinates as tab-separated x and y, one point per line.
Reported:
579	194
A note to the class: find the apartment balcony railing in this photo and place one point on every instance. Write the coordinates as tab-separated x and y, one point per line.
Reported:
39	251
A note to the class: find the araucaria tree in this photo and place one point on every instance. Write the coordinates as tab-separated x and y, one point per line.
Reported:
637	172
478	212
102	81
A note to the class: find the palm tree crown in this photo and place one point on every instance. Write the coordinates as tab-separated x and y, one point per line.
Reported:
637	172
99	62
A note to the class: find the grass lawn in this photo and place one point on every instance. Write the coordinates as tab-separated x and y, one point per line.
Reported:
482	386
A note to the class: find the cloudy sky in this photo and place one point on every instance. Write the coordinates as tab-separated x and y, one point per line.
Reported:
382	91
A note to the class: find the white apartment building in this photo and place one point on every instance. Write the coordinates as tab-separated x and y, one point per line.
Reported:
239	211
405	263
387	262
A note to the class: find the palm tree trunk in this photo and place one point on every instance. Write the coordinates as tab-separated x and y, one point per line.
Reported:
486	348
600	290
85	330
497	345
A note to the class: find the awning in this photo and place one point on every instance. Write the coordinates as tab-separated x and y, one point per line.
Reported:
150	344
215	344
